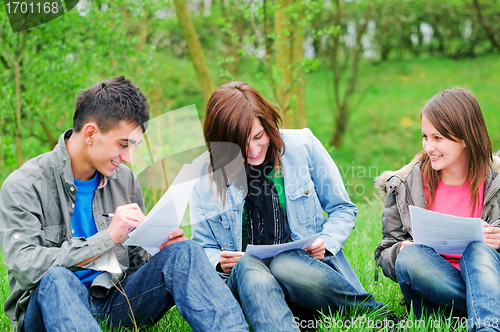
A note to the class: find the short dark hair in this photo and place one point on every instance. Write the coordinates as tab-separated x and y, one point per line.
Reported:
110	102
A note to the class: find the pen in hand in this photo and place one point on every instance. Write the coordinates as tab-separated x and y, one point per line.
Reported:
496	223
110	216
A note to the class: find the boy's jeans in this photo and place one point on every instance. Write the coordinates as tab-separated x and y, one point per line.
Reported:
180	275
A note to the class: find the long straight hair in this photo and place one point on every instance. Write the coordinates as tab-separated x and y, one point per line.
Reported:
455	113
229	117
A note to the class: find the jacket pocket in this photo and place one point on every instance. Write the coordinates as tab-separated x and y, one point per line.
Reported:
303	203
219	223
54	235
214	212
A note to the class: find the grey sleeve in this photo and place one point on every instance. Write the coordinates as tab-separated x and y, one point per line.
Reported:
29	250
137	255
392	236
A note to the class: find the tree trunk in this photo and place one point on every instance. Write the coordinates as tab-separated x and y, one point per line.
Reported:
52	140
486	25
15	59
232	41
342	102
232	67
268	45
17	71
340	126
143	32
195	50
283	49
299	90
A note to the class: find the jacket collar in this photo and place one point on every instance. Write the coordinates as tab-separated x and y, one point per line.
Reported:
63	162
402	173
492	184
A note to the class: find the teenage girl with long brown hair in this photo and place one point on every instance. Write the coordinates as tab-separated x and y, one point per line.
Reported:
291	182
455	174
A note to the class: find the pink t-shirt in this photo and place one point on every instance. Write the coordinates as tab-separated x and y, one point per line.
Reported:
455	200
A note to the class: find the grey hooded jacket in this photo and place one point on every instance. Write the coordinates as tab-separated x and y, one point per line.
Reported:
404	188
36	205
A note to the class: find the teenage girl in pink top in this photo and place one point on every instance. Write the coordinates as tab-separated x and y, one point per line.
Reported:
454	174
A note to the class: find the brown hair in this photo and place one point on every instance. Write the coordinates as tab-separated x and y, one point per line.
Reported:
456	115
229	117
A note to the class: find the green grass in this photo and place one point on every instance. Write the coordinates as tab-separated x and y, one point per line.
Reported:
359	251
384	130
4	293
383	133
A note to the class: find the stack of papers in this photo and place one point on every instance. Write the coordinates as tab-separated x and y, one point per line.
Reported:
266	251
166	216
445	233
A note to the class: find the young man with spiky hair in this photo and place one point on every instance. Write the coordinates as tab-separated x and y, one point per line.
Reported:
54	237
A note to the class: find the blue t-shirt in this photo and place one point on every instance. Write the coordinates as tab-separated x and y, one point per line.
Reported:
83	221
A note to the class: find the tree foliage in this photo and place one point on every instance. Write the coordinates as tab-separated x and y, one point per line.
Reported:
273	43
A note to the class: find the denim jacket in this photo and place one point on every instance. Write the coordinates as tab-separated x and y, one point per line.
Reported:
404	188
313	185
36	205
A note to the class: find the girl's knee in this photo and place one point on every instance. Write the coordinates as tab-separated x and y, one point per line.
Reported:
477	248
410	259
479	255
250	263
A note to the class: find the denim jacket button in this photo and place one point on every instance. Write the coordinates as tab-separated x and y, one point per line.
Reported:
306	192
72	188
16	236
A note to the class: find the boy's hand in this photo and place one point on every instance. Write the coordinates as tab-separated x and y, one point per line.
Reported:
126	218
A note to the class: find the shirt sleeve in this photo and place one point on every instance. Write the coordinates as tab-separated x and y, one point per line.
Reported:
137	255
201	231
393	233
29	250
341	212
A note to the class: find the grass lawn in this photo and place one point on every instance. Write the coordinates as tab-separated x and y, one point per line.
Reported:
383	133
384	130
359	251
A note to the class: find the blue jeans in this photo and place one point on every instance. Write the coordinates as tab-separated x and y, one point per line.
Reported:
480	268
429	281
432	284
261	286
180	275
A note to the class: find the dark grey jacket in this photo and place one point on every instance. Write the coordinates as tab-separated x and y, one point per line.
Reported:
36	205
404	188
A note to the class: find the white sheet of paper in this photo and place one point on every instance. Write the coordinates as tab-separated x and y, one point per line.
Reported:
107	262
445	233
265	251
166	216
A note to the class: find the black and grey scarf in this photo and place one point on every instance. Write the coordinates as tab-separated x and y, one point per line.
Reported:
266	219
